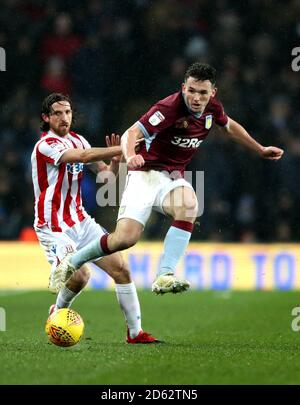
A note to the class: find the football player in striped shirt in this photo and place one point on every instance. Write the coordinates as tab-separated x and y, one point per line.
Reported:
61	223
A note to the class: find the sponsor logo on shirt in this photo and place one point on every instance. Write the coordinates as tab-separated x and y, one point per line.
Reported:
186	142
75	168
208	121
156	118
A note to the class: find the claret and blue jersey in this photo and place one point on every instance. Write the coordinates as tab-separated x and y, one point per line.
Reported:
173	133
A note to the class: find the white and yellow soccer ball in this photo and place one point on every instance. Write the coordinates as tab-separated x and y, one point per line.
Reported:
64	327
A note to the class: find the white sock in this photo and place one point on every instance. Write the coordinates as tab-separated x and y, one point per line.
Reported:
65	298
129	303
175	244
91	251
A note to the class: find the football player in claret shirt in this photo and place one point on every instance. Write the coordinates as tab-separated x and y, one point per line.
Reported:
173	129
61	223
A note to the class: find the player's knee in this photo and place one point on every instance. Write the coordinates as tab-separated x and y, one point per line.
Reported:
188	211
191	208
126	240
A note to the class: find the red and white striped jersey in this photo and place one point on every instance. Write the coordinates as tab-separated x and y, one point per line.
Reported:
57	191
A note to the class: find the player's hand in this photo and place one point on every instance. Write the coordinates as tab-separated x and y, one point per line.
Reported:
114	140
272	153
135	162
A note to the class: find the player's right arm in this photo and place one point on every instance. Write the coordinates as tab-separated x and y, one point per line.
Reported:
160	116
89	155
128	143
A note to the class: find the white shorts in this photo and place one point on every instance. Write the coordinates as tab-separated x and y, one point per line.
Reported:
57	244
144	191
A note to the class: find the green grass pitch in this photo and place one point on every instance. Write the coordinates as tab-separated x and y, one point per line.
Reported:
211	338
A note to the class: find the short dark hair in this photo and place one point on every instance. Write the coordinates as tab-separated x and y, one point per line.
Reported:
47	104
201	71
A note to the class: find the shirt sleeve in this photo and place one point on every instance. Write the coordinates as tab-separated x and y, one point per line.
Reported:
158	118
52	150
220	116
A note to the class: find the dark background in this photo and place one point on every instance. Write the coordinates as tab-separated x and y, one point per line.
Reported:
115	58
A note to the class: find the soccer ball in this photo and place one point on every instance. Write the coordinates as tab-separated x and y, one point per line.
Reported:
64	327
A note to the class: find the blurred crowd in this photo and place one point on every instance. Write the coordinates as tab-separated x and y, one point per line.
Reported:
115	58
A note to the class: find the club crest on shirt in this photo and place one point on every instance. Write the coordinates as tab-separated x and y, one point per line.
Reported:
156	118
208	121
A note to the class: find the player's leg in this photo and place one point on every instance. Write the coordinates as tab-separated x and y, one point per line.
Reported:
135	209
73	287
126	234
56	245
181	204
115	266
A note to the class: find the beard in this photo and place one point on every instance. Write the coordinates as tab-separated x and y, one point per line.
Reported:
62	130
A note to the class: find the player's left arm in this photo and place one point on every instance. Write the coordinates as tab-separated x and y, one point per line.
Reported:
238	133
